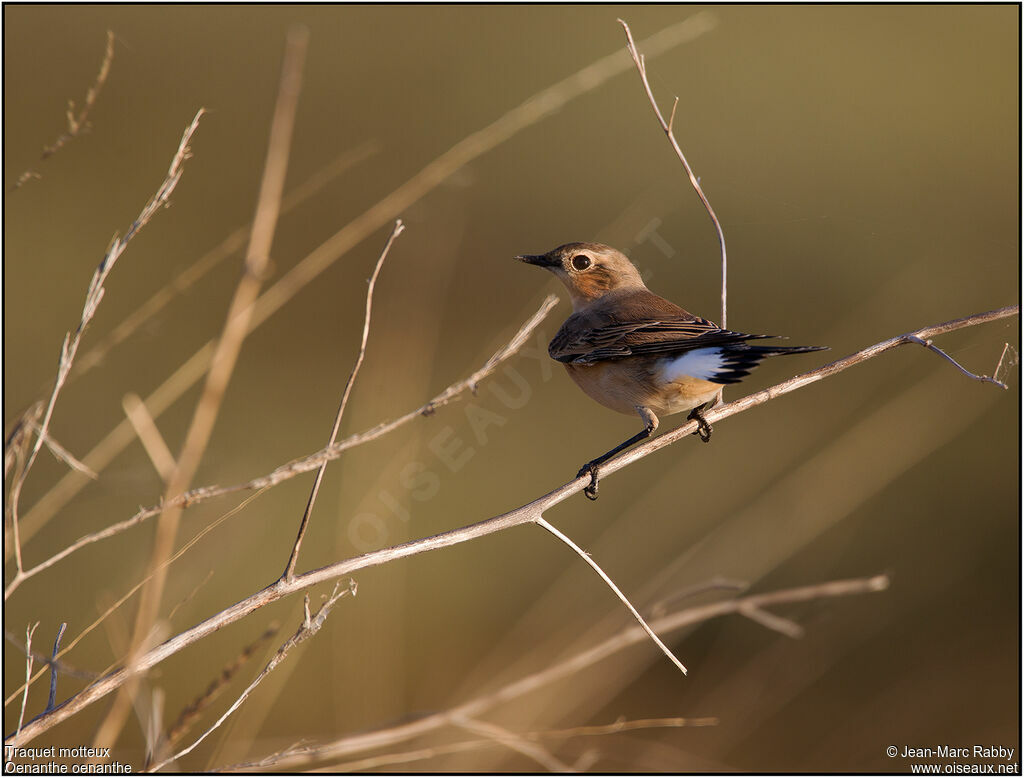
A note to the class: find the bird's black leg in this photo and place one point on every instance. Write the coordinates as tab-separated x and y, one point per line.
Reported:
703	428
650	424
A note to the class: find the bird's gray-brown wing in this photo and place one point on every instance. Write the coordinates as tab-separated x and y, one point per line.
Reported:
583	342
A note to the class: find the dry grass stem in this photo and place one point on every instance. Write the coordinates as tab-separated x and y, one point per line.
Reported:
29	659
77	123
92	300
625	725
527	513
191	712
515	742
1004	364
293	558
352	744
421	754
305	464
641	66
311	624
541	105
188	597
618	592
152	441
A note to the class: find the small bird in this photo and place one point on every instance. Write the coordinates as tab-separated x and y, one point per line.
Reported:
635	352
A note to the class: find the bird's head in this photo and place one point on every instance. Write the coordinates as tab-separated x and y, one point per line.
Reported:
588	270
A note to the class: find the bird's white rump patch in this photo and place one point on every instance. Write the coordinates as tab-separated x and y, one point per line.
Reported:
704	363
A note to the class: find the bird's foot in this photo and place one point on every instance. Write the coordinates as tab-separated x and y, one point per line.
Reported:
590	490
703	428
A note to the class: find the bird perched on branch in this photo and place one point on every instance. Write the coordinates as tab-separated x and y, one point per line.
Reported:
635	352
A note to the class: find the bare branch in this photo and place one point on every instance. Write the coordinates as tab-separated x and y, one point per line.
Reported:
304	465
932	347
531	512
289	570
641	67
618	592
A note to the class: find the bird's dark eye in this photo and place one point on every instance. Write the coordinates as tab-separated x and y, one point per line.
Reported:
580	262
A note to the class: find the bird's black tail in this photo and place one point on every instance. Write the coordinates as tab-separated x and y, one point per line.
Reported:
740	358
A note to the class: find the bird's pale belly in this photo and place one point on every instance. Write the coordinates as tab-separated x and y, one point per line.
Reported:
624	384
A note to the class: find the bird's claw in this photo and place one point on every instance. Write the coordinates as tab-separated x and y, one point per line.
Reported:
703	428
590	490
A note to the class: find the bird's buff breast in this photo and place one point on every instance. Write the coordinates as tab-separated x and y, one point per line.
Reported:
624	384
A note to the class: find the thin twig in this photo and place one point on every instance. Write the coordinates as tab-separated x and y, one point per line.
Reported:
77	123
515	742
53	667
772	621
535	108
311	462
17	442
191	712
718	583
932	347
29	658
618	592
625	725
641	66
62	667
626	638
188	597
293	558
65	456
92	300
1004	362
527	513
309	627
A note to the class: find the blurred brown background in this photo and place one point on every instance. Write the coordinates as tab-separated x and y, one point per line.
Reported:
864	163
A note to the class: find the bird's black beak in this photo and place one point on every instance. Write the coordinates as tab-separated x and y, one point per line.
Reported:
540	260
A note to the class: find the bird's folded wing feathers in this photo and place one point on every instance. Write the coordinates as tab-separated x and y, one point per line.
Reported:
636	338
